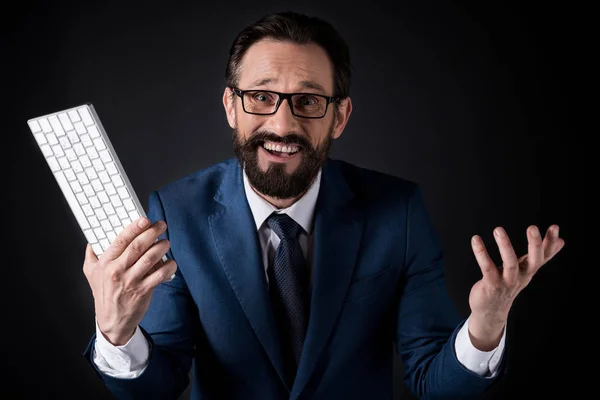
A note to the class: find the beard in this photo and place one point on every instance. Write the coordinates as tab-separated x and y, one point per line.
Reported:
276	182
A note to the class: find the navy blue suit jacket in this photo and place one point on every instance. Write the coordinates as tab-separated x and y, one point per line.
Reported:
378	280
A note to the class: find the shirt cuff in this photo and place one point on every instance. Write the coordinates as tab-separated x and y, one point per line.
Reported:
483	363
127	361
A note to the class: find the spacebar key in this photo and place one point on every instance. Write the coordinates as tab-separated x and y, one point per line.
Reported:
66	189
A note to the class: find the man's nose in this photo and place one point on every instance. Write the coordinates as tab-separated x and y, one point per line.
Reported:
283	121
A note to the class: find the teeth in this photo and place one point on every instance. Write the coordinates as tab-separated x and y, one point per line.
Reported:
279	148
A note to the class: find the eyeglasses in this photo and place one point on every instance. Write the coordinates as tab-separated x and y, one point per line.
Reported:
267	102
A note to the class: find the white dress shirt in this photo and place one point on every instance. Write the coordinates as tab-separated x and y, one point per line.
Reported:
130	360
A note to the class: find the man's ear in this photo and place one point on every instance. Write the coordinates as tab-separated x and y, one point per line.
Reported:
342	114
229	104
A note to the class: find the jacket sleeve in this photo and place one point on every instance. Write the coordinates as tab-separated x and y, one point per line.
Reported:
427	321
169	325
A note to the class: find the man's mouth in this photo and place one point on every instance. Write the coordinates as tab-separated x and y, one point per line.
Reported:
281	150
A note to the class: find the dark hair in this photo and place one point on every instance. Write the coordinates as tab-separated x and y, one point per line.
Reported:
297	28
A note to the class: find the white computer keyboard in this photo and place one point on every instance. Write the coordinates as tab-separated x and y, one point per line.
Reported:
89	173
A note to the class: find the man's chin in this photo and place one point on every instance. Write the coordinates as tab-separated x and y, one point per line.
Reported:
267	159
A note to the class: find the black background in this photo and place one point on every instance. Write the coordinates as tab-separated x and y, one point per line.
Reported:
471	100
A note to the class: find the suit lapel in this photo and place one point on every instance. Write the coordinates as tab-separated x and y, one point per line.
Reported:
337	237
236	241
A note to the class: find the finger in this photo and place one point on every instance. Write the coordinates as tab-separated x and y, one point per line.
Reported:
149	260
552	242
535	249
89	260
162	274
124	239
488	268
510	263
141	244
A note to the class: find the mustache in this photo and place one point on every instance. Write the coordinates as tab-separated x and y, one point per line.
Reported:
259	137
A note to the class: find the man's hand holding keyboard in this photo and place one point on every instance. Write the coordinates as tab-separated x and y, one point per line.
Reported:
123	278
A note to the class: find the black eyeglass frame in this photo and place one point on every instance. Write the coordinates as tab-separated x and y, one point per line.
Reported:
283	96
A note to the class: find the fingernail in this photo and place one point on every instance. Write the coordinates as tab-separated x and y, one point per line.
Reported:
498	232
142	223
535	232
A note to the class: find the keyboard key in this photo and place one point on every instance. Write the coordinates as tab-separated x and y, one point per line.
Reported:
75	186
106	225
104	176
126	222
105	156
79	127
115	200
91	173
114	220
81	198
70	175
129	204
134	215
79	149
95	202
112	168
99	233
108	208
34	126
92	152
123	192
46	150
52	138
87	210
97	249
64	142
117	180
86	140
122	213
45	125
71	154
111	236
110	189
73	137
77	168
88	190
58	151
64	120
104	243
82	178
93	130
89	235
56	126
71	200
54	165
74	116
94	221
40	138
85	116
99	144
103	197
100	214
97	185
119	229
98	165
64	163
85	161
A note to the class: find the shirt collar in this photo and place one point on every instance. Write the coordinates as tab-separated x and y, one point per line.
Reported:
301	211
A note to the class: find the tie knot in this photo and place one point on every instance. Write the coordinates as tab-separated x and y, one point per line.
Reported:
284	226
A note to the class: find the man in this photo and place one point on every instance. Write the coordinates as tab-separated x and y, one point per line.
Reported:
295	273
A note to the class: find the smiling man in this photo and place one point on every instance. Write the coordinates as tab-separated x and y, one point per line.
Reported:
295	273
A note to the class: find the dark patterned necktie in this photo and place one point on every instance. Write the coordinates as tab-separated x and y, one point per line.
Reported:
288	289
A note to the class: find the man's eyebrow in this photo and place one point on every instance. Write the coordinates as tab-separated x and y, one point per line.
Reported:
304	84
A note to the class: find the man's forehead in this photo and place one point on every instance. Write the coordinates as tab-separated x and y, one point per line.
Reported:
274	64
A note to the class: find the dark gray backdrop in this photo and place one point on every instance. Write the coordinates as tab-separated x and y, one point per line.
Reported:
471	101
